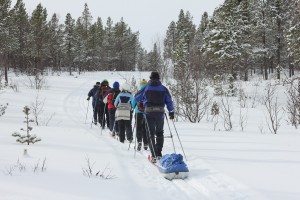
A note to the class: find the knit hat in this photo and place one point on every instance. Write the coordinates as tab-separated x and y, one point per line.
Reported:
154	76
116	85
143	82
104	82
125	87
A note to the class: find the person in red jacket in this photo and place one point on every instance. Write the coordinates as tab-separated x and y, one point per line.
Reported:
110	99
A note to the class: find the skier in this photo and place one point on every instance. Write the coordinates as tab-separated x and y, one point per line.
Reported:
104	87
110	98
124	113
140	121
154	97
95	103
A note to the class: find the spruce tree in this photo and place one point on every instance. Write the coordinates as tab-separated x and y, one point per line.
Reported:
55	43
38	37
21	21
4	35
69	43
292	36
108	44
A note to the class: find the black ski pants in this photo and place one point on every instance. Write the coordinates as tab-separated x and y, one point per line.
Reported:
96	112
104	118
113	125
155	134
141	134
125	126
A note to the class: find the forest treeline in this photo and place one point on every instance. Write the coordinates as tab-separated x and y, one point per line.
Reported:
241	38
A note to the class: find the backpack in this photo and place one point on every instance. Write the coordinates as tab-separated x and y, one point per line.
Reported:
123	111
114	96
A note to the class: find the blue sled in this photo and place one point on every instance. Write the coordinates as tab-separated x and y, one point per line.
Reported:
172	166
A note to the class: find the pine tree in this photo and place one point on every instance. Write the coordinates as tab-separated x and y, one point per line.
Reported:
99	43
55	43
80	46
155	62
4	35
292	36
184	36
199	60
21	21
142	60
169	42
278	20
245	25
38	37
108	44
69	43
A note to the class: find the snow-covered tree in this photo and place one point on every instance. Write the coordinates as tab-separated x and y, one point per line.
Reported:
21	33
38	38
69	43
4	36
55	42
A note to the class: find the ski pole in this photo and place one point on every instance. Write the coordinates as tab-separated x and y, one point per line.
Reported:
87	110
149	136
171	135
135	135
93	114
179	140
103	119
132	134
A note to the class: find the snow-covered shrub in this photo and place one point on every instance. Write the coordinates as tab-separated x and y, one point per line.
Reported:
242	98
88	171
14	86
20	167
191	97
227	112
231	90
215	109
37	108
218	86
133	85
37	82
273	108
293	104
2	109
27	138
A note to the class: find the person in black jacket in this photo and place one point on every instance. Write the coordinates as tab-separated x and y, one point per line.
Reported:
95	103
103	107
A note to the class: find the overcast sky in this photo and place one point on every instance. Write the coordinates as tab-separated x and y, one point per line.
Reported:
150	17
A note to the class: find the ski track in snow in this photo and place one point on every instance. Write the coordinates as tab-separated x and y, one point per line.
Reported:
211	186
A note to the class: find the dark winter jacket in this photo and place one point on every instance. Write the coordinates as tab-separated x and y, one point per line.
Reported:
93	93
155	96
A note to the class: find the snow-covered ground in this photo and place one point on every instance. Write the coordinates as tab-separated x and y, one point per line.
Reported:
253	164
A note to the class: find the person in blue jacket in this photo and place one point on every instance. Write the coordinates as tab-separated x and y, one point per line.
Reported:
123	115
155	97
140	121
95	103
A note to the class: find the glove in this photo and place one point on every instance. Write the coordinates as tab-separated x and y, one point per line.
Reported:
171	115
88	98
140	106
